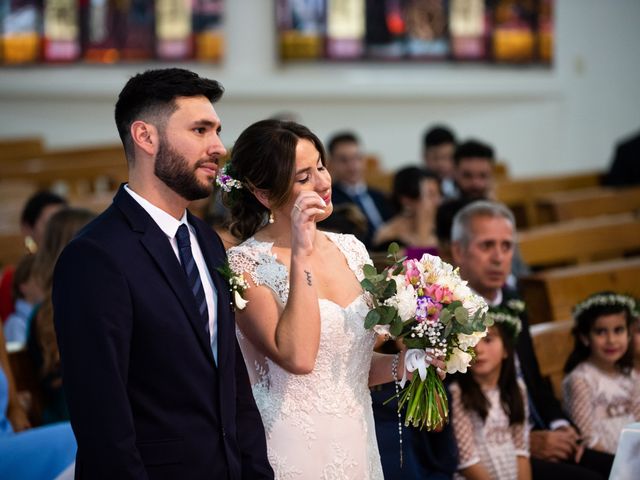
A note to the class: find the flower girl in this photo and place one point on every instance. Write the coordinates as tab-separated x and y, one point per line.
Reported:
489	408
601	390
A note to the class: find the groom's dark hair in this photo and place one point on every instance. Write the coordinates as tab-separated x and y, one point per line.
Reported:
150	96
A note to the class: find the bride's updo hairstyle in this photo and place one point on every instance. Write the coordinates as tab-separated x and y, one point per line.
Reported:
263	158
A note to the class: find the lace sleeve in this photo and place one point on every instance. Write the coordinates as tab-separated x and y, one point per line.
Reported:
256	259
578	401
520	431
242	262
463	430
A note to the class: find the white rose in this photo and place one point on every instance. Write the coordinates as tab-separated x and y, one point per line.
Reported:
469	341
458	361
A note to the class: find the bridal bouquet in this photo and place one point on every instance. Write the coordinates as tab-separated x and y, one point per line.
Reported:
426	304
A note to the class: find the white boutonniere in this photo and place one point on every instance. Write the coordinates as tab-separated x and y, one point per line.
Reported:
237	286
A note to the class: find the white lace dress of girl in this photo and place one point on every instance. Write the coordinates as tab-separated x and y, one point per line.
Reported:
494	442
601	405
318	425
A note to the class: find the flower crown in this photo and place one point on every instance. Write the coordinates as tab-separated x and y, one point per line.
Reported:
609	300
509	316
225	181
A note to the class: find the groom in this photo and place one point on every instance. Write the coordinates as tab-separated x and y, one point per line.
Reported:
155	382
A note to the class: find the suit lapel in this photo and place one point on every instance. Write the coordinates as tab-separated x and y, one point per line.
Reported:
159	248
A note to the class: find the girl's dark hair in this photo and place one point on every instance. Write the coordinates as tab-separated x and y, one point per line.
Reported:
584	322
510	395
406	183
264	158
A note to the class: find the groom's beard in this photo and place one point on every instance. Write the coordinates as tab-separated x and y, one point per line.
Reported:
175	172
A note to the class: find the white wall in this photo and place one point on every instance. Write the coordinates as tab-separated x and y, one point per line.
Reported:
541	121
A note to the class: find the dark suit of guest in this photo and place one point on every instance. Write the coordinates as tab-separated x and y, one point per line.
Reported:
146	397
545	409
340	195
625	168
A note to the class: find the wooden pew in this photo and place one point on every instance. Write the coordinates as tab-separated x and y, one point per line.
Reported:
19	148
12	247
520	194
80	170
580	241
552	342
588	202
550	295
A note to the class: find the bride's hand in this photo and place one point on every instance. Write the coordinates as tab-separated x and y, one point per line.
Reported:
303	225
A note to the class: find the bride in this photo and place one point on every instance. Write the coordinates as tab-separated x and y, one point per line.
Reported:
302	332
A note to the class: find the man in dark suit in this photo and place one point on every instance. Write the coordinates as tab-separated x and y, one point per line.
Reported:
347	166
483	241
155	382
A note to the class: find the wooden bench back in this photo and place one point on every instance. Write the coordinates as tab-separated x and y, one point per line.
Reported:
551	294
81	170
18	148
580	241
588	202
520	194
553	342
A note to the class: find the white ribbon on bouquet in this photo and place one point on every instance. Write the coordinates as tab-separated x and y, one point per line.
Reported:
416	359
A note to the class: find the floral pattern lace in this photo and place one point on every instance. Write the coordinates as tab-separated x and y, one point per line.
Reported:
318	425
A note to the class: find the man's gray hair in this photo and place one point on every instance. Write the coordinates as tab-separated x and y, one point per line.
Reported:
461	228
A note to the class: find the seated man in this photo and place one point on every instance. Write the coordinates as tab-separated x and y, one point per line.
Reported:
483	240
347	166
474	164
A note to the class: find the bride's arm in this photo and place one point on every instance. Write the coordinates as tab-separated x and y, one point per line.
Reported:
290	336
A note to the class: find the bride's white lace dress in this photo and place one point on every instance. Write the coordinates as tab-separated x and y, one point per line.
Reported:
319	425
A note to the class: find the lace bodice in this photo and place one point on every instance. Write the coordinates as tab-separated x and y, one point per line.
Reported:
600	404
326	413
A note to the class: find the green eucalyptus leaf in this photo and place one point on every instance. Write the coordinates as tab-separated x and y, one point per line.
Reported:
462	315
368	285
393	249
396	327
372	319
369	270
390	289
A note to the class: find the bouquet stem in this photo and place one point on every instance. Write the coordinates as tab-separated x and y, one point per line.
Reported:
426	401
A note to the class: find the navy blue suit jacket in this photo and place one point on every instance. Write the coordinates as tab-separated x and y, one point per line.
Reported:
146	398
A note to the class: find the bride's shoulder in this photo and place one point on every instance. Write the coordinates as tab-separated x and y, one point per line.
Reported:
349	245
248	254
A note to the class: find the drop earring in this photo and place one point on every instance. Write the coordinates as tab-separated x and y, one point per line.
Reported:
271	217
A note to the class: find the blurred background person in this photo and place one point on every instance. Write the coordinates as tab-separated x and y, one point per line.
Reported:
29	453
41	339
27	294
474	164
347	167
438	148
415	198
33	220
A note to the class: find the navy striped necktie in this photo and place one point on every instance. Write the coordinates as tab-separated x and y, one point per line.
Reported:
191	270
